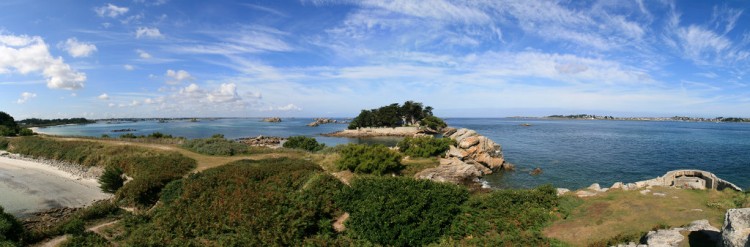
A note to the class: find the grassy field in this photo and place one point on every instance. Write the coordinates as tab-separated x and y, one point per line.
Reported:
621	216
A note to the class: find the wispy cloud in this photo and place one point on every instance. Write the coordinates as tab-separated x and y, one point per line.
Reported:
110	10
148	32
25	96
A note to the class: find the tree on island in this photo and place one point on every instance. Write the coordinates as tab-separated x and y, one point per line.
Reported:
394	115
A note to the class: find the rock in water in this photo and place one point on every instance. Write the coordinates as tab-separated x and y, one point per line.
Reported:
736	229
272	120
536	171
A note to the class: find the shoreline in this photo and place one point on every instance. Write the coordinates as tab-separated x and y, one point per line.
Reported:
28	185
376	132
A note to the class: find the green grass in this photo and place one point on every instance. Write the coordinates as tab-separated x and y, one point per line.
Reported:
623	216
216	146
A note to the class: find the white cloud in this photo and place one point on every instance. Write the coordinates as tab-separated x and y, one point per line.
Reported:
289	107
244	39
77	49
148	32
143	54
178	76
110	10
103	96
25	54
227	92
128	67
25	96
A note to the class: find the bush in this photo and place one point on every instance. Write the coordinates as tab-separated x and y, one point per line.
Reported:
128	135
111	180
434	123
370	159
25	132
273	202
5	131
4	143
506	217
157	135
401	211
86	239
10	229
303	142
216	146
75	226
424	146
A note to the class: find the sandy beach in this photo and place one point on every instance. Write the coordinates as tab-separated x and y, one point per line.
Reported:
28	186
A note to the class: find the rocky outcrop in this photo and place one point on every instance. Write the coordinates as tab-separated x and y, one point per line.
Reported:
262	141
474	147
699	232
318	121
272	120
376	132
736	229
472	157
685	179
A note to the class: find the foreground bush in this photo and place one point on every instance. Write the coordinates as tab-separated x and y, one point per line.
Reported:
10	229
401	211
370	159
216	146
111	180
4	143
273	202
434	123
424	146
303	142
505	218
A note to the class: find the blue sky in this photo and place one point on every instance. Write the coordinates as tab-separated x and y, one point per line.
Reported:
482	58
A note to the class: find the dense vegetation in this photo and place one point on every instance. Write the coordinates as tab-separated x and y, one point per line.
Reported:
216	145
369	159
394	115
151	169
401	211
303	142
505	218
274	202
424	146
155	135
36	122
9	127
112	179
11	230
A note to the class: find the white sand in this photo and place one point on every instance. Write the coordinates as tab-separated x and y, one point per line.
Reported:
27	187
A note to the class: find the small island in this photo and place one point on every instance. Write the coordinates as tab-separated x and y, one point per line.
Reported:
405	120
272	120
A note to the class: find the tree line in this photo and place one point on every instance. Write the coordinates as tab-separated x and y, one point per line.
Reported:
394	115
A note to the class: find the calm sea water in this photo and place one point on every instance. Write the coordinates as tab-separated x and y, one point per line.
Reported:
571	153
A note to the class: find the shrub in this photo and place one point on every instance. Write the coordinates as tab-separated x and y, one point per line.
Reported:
157	135
5	131
25	132
74	226
303	142
10	229
506	217
216	146
128	135
4	143
86	239
433	122
272	202
401	211
424	146
111	180
371	159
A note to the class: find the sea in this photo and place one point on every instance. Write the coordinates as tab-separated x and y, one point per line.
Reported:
571	153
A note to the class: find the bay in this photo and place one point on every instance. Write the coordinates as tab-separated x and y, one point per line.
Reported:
571	153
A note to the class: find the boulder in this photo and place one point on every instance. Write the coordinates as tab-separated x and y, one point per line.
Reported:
617	185
736	229
536	171
664	237
562	191
447	131
595	187
468	142
453	171
455	152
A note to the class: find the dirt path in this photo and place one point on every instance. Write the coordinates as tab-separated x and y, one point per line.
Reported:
53	242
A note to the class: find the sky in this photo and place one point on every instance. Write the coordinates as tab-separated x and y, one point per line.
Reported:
321	58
